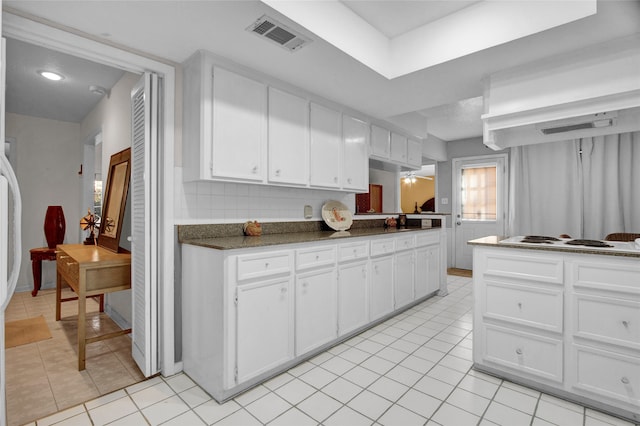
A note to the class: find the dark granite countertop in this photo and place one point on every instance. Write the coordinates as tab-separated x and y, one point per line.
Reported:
619	248
243	242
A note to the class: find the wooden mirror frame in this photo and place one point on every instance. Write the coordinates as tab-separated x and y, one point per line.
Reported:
115	200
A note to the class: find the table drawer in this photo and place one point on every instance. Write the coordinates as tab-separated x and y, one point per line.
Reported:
526	352
263	264
607	319
314	257
353	251
67	267
608	374
383	246
527	305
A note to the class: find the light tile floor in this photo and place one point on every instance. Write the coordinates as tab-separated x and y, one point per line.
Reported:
42	378
414	369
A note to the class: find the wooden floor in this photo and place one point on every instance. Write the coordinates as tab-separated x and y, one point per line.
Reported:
459	272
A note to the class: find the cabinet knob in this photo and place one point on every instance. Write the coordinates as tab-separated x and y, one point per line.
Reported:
317	257
266	264
519	351
355	251
335	179
283	290
375	268
625	323
625	380
255	169
520	305
278	172
305	284
349	180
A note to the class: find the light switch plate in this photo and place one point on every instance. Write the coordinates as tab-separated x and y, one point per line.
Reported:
308	212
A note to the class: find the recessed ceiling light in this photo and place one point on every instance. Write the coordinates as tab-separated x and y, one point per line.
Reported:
50	75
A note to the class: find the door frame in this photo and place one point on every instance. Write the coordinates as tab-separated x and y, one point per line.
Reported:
502	196
88	47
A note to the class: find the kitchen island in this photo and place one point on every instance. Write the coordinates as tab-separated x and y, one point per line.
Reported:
561	318
254	307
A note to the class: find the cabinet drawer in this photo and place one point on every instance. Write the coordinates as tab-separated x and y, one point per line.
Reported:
607	319
314	257
384	246
68	268
405	243
531	306
526	352
609	276
263	264
427	238
608	374
529	267
353	251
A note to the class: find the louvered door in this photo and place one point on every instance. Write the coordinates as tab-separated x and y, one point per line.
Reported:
144	123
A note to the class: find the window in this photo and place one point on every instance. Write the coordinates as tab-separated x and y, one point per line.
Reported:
478	197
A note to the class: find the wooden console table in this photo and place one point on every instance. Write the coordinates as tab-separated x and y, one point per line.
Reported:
90	271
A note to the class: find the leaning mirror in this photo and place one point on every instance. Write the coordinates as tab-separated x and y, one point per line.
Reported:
115	199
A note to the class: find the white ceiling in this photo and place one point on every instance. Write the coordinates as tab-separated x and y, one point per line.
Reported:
443	99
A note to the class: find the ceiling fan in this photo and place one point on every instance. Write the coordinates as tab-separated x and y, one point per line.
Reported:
411	177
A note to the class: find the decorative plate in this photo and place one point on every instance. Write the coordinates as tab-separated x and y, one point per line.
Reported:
336	215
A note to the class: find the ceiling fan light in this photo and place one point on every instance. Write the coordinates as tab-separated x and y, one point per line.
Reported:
50	75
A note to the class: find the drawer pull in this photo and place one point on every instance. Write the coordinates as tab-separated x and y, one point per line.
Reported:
283	290
520	305
317	257
625	380
266	265
519	351
305	285
625	324
376	268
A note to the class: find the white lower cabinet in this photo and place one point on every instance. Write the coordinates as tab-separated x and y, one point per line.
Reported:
316	309
250	313
403	289
427	271
381	287
569	322
264	336
353	309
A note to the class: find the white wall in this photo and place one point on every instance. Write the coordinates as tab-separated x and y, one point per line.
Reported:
113	116
49	155
390	185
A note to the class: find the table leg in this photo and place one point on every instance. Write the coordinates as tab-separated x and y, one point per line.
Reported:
82	332
36	268
58	294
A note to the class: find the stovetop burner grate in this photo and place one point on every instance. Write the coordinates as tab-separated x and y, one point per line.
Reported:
589	243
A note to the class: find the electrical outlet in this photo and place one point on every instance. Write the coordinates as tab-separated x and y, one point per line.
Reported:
444	201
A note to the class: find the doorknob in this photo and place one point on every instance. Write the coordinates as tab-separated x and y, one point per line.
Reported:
458	223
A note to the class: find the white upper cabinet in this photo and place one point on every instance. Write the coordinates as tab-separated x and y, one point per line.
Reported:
239	126
355	137
325	161
288	138
380	142
414	153
398	151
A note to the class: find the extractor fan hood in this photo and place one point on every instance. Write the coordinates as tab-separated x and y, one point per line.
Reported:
594	121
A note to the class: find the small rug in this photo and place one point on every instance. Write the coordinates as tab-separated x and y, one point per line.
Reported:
459	272
25	331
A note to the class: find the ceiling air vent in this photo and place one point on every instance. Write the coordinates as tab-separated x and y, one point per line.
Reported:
278	33
594	121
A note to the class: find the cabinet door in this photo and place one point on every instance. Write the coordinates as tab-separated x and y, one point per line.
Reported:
380	143
316	309
381	297
325	160
288	138
398	151
433	281
239	126
264	327
353	310
403	290
422	272
355	139
414	153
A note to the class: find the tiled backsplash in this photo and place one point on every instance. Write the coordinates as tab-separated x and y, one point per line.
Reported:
220	202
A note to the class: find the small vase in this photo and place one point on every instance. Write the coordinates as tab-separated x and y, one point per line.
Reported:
54	226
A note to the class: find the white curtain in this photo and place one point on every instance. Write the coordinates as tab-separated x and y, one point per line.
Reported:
585	188
611	184
544	193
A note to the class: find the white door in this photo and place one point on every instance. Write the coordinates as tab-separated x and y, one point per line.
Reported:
381	300
325	147
353	309
403	279
479	202
265	324
355	139
145	228
316	309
